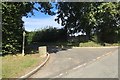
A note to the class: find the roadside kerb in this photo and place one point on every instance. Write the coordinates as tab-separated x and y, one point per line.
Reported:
36	69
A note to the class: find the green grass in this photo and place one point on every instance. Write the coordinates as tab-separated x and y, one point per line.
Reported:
16	66
94	44
114	44
81	44
89	44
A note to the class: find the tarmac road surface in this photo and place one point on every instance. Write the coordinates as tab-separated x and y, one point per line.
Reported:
67	64
107	67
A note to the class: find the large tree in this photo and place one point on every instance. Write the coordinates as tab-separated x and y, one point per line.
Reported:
107	18
102	19
12	24
75	16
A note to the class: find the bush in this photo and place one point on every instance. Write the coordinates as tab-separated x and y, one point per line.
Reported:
46	35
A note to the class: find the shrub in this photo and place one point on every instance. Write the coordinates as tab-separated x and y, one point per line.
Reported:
46	35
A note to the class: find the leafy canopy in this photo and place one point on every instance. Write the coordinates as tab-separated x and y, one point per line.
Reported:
12	24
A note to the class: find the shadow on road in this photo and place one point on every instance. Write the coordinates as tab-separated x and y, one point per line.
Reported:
51	48
55	49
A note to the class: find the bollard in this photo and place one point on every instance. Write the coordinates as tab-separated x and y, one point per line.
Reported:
42	50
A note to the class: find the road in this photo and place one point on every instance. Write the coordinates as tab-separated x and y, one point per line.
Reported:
107	67
81	63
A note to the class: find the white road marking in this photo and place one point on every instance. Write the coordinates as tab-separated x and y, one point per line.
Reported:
94	59
59	75
83	64
79	66
98	57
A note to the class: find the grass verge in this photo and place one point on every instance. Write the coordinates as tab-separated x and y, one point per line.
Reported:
83	44
14	66
89	44
94	44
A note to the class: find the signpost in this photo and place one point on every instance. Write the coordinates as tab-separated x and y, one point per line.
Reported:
23	43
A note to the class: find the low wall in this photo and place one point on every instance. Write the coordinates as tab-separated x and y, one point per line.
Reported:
42	50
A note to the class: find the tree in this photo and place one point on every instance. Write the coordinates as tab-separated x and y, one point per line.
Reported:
75	17
91	18
108	20
12	24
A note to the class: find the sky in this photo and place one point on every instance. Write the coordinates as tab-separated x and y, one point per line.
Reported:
39	21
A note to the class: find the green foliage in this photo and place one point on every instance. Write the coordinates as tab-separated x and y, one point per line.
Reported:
108	17
29	36
89	44
46	35
101	19
12	28
12	24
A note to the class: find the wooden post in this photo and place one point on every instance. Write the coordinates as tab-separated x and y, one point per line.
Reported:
23	43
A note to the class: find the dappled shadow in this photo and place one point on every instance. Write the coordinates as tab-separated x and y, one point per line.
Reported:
55	49
54	39
99	42
31	48
51	47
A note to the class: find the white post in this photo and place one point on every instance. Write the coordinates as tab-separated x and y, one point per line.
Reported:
23	43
